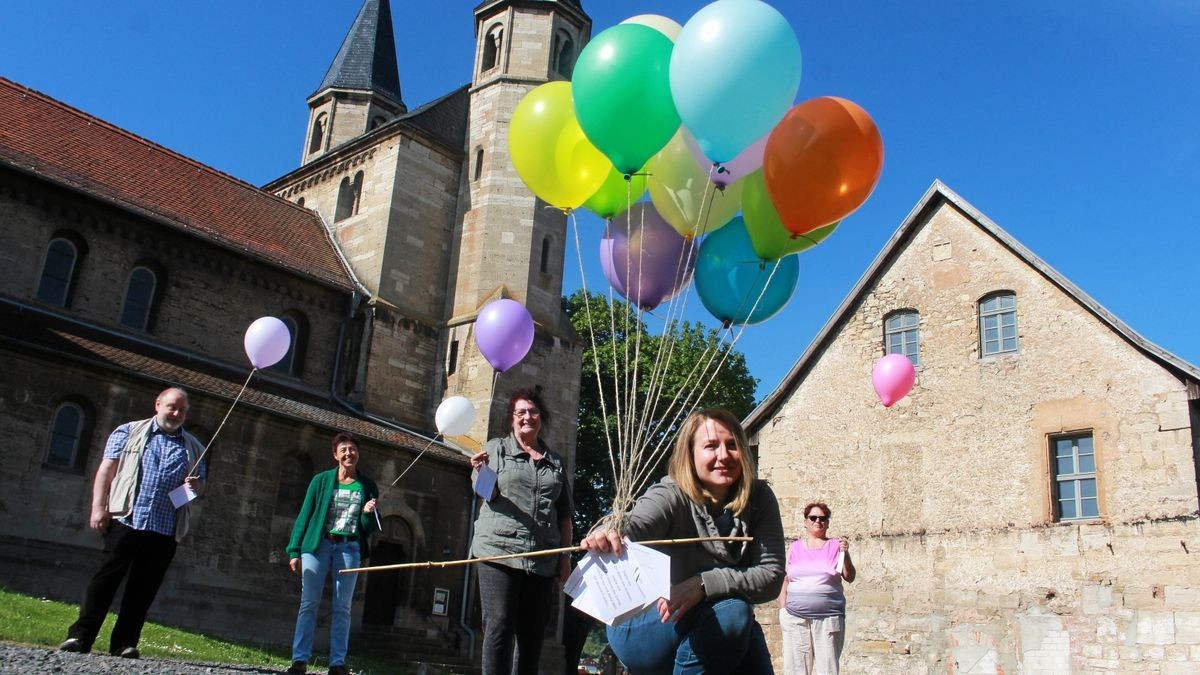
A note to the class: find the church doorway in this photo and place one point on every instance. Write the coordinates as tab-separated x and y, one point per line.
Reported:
388	590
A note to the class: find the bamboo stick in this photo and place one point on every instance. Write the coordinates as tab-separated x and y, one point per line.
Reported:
531	554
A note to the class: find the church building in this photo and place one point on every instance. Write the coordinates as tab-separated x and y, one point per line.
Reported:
129	268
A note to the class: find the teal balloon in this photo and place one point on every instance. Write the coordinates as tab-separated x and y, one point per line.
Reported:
622	94
735	71
731	279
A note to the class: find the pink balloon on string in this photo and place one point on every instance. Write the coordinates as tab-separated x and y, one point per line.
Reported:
644	258
893	377
747	161
267	341
504	333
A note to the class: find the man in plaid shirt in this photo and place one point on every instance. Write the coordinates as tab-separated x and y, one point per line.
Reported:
143	462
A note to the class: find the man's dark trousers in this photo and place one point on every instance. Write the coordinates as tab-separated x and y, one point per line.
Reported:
145	556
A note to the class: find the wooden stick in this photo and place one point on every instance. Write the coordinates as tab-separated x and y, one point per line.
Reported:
532	554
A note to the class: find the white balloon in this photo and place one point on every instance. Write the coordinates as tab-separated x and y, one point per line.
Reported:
661	24
455	416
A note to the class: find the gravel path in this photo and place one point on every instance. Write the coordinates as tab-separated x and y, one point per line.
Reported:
38	660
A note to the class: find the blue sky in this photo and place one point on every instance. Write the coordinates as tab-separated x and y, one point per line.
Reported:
1071	124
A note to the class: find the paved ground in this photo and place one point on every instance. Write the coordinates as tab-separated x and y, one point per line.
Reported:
38	660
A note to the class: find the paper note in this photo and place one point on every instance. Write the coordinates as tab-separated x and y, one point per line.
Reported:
613	589
485	482
182	495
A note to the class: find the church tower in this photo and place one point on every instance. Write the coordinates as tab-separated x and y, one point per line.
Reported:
509	244
361	91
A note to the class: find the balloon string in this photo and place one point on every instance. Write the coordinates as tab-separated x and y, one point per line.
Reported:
222	424
413	463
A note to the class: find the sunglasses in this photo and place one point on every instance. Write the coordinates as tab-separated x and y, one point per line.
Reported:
819	519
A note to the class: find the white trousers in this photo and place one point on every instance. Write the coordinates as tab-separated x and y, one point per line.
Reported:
811	646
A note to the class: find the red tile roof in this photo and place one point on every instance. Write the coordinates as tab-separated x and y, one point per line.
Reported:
70	147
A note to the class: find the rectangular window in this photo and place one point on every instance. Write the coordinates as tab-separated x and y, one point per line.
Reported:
902	336
1074	466
998	324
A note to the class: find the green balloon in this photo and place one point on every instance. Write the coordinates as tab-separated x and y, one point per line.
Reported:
771	240
622	92
616	194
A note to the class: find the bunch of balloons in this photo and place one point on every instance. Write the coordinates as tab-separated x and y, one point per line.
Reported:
702	117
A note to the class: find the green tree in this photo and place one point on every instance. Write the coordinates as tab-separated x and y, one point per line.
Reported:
619	336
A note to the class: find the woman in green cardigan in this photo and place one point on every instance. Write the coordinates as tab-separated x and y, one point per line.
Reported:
330	535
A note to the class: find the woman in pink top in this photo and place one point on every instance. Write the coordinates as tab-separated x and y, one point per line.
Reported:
812	606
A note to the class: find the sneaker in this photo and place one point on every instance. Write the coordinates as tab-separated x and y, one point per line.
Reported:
297	668
339	670
74	645
127	653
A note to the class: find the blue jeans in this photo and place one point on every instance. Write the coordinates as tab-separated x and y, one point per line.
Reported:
330	557
716	636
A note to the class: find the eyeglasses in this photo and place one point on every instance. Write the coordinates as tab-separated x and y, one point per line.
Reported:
527	412
819	519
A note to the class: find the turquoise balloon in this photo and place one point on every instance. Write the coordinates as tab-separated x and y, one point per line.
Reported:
735	71
731	279
622	94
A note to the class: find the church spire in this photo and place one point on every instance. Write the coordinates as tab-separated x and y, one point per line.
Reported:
367	58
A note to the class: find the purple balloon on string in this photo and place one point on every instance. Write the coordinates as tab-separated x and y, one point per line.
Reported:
747	161
267	341
644	258
504	333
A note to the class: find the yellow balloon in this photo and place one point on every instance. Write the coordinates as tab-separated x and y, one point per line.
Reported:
683	194
549	150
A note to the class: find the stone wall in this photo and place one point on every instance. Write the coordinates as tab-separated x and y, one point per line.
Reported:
946	496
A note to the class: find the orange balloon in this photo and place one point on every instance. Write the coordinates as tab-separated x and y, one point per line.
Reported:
821	163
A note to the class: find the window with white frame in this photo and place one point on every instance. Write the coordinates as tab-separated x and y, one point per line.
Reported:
998	324
1073	459
902	336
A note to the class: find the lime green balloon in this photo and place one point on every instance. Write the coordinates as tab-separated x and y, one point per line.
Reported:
618	192
683	194
550	151
622	90
771	240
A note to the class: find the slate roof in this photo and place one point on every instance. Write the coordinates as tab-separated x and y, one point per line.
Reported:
367	57
47	138
934	197
65	340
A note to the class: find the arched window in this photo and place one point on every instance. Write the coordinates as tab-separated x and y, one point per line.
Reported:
998	323
492	44
563	58
317	140
300	202
58	271
139	298
478	163
293	362
901	335
545	255
349	195
377	121
294	476
68	436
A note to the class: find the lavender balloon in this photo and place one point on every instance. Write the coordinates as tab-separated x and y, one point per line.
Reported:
504	333
267	341
644	258
727	173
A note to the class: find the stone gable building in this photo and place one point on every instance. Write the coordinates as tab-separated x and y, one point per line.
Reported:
1031	506
128	267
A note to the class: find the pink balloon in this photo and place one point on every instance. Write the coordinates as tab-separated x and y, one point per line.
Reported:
504	333
727	173
267	341
893	377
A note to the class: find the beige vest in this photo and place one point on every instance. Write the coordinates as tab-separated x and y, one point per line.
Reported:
123	490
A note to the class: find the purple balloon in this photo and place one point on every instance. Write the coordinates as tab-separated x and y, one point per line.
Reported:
747	161
644	258
267	341
504	333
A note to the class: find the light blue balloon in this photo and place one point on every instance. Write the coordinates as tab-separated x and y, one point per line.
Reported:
734	73
731	279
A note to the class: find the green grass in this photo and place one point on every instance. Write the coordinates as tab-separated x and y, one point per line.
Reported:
41	622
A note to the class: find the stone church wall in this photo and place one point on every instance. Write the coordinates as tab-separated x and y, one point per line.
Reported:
946	497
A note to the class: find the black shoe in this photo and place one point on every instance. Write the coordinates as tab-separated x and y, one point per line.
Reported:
339	670
74	645
297	668
127	653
